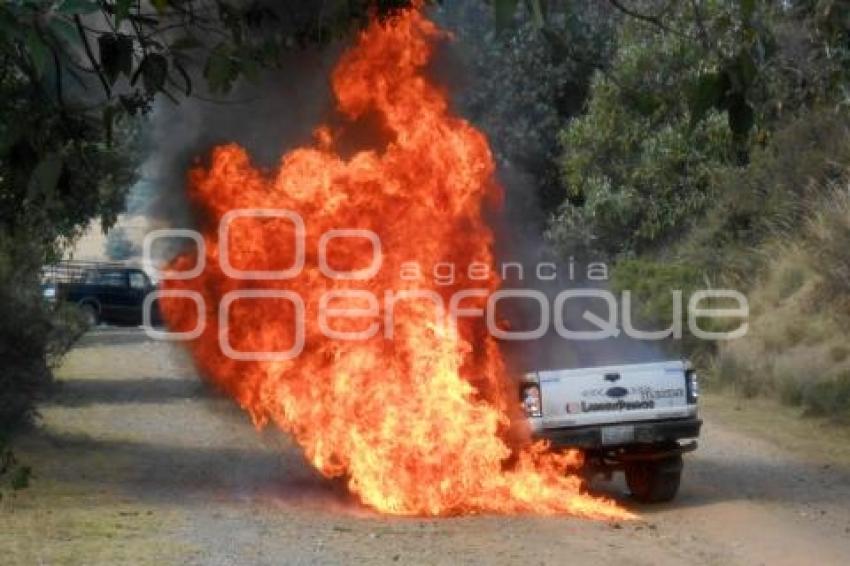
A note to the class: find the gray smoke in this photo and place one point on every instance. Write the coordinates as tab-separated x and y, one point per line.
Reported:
266	117
280	111
514	87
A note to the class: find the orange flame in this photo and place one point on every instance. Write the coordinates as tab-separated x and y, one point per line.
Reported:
425	423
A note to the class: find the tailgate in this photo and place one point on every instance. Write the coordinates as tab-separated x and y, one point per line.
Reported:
614	394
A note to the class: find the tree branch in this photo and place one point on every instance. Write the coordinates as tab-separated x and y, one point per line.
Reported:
647	18
57	69
90	55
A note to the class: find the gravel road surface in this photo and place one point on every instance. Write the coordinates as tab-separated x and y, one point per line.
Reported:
136	461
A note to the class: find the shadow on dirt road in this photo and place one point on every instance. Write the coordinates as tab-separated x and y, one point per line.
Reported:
137	461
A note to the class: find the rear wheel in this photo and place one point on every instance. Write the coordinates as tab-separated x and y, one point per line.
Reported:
655	481
90	315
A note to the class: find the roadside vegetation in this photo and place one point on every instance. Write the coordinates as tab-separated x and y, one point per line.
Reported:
714	152
708	147
689	143
78	79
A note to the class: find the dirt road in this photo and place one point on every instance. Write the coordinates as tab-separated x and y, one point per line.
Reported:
137	462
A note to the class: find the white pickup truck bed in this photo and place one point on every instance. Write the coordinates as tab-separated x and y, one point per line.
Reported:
627	417
612	394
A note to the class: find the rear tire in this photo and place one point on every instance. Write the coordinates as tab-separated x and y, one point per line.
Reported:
655	481
90	315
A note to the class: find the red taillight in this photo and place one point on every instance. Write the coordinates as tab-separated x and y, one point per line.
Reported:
531	401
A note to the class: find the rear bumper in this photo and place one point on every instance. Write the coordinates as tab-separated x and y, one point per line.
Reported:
646	432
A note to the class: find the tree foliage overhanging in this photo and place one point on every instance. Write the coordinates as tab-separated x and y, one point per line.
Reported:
635	118
693	89
77	78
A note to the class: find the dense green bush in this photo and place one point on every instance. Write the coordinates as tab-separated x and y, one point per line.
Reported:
770	198
24	330
685	120
714	152
635	167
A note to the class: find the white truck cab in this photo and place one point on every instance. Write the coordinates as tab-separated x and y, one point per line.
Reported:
624	417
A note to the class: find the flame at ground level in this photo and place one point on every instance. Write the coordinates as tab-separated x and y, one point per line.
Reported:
425	423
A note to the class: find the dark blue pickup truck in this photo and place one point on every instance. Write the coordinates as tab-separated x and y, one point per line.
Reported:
106	294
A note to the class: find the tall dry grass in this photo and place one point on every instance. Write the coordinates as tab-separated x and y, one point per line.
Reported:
798	347
828	241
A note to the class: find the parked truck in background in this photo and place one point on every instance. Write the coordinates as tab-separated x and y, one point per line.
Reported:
107	293
624	417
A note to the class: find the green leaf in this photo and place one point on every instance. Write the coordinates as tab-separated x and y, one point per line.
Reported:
38	51
741	116
116	55
744	70
154	69
503	11
748	7
220	71
707	93
122	11
46	175
81	7
645	102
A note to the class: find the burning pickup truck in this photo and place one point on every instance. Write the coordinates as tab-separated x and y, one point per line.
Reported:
628	417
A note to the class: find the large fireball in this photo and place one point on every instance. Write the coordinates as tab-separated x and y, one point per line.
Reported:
420	418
